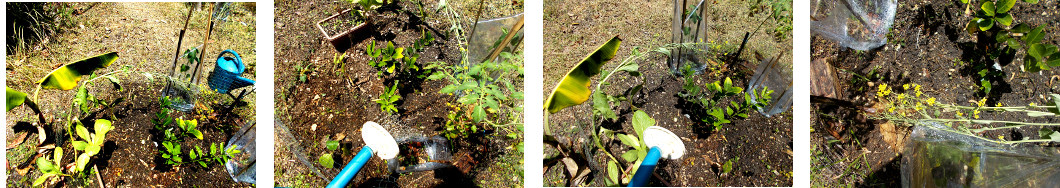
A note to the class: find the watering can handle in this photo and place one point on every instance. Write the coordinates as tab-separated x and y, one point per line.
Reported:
640	178
351	168
239	60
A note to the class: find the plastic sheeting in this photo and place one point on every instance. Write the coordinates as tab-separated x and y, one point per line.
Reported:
856	24
241	166
776	76
936	156
488	35
689	28
430	154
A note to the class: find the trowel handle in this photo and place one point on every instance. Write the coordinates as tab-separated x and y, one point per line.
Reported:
351	168
640	178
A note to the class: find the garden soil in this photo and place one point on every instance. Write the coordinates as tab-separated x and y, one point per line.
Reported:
763	145
928	46
143	34
334	100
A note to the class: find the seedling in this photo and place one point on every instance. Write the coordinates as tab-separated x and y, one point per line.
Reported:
388	99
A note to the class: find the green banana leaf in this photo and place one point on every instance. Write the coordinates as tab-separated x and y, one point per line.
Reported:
67	76
574	88
15	98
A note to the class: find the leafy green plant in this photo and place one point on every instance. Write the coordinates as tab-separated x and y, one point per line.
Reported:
90	145
388	99
718	114
386	59
218	154
488	94
992	15
637	149
192	55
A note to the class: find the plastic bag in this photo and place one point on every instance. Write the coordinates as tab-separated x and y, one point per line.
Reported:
689	28
857	24
776	76
936	156
241	166
421	154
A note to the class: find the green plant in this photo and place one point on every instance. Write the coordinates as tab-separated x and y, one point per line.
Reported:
218	154
327	160
992	15
385	59
718	114
388	99
369	4
487	91
192	55
90	145
637	149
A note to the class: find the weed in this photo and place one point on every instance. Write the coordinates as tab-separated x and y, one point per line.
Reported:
718	114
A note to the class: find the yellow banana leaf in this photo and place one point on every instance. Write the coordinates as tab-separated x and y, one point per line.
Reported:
15	98
67	76
574	88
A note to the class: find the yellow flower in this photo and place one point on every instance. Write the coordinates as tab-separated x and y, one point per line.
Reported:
999	104
959	114
905	87
982	102
916	87
931	101
1001	137
891	110
1032	104
976	114
919	106
883	91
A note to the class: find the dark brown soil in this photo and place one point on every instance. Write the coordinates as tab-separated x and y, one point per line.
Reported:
763	145
336	99
928	46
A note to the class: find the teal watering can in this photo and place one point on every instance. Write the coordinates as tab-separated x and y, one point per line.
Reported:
225	76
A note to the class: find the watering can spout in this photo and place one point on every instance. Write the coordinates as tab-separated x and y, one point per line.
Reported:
242	82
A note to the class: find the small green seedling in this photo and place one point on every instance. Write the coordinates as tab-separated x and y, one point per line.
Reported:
388	99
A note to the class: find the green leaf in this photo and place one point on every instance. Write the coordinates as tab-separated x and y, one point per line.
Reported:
1031	1
603	107
972	26
193	155
573	89
46	166
102	127
1035	35
964	1
985	23
988	8
43	178
630	155
196	133
67	76
82	161
326	161
15	98
81	99
612	171
1039	51
1054	103
82	132
1004	18
727	167
80	145
641	121
1004	6
332	145
629	140
478	114
631	68
1030	64
58	154
92	149
1021	28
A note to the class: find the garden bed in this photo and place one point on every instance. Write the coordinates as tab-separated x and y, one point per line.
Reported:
141	32
320	99
759	147
927	46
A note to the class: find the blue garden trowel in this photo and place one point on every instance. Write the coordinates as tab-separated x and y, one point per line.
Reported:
377	141
663	143
226	73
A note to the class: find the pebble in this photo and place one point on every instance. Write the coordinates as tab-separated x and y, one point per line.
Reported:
313	128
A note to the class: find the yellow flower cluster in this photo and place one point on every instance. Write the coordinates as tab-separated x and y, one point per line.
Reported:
883	91
931	101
